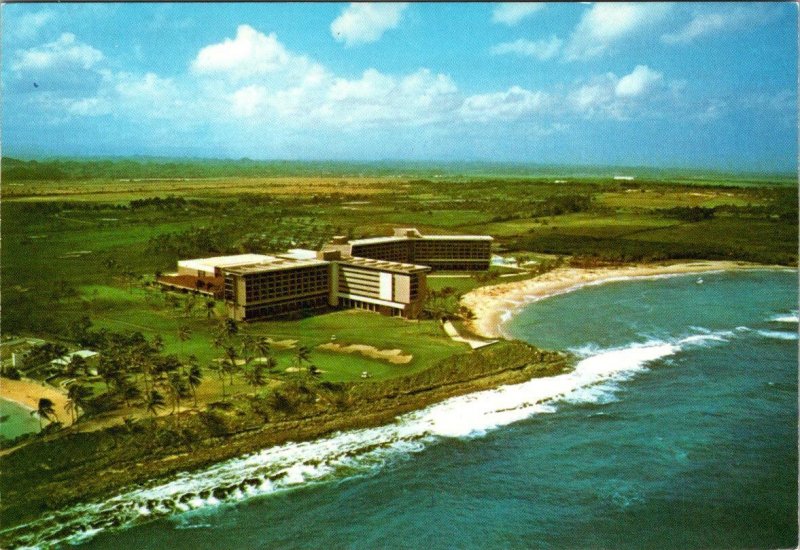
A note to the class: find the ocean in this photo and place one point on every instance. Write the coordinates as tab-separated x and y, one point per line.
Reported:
16	420
677	429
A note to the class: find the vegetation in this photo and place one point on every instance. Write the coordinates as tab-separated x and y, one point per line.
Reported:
84	240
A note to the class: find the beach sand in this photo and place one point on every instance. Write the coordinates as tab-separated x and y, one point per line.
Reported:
28	392
493	304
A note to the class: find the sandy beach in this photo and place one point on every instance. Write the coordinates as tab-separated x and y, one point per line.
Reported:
28	392
492	305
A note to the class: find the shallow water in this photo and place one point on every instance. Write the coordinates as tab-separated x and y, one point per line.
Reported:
677	429
17	420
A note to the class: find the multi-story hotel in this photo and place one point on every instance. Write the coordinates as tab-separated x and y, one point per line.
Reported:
443	252
384	274
276	287
390	288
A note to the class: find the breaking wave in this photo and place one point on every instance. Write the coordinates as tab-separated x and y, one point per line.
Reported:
595	379
778	334
785	318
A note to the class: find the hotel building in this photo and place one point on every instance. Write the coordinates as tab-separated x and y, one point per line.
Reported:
384	274
442	252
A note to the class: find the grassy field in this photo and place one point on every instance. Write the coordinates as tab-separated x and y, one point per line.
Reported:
79	245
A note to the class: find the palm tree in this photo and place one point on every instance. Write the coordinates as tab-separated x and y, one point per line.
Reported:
184	334
263	346
45	410
220	369
255	376
194	378
176	386
78	364
77	395
155	401
302	356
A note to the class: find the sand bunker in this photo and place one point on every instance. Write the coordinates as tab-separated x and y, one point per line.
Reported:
282	344
394	356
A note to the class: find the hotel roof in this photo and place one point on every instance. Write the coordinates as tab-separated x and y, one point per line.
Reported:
209	264
273	264
377	240
383	265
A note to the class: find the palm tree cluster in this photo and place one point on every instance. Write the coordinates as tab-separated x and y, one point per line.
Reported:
243	354
444	304
135	370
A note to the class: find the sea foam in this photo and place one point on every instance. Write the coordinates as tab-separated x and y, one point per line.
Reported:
777	334
785	318
595	379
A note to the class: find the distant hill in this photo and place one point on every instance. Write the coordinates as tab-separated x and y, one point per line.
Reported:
55	169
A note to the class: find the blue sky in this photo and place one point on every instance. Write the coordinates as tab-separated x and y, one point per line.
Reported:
688	85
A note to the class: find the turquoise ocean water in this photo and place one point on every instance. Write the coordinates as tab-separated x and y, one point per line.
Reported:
677	429
16	420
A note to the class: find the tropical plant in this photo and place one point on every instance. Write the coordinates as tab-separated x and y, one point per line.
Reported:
184	334
255	375
46	410
177	388
154	402
78	395
77	364
195	377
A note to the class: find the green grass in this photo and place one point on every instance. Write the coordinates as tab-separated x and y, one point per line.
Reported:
266	214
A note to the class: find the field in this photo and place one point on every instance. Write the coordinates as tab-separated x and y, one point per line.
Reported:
89	240
82	242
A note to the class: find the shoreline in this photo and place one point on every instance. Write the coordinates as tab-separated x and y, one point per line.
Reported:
26	393
131	462
494	305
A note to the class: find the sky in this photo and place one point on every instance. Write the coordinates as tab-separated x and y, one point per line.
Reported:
698	85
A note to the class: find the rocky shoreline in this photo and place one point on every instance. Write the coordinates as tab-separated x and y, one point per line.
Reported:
114	461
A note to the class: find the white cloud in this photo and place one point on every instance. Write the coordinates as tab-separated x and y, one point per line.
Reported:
603	25
365	23
246	101
703	24
29	24
511	104
65	53
416	98
638	82
616	97
250	53
511	13
541	49
89	106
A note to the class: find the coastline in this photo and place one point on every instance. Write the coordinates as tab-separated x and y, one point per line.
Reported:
493	305
137	458
26	393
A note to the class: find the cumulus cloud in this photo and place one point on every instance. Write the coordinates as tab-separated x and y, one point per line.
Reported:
29	24
703	24
541	49
365	23
511	104
615	97
641	80
511	13
249	53
604	25
64	53
246	101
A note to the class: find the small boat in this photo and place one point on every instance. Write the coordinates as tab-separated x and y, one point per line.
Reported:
699	280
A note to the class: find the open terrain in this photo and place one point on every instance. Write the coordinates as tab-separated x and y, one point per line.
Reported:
84	240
